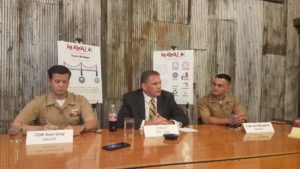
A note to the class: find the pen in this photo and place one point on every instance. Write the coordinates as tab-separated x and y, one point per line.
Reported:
49	123
52	128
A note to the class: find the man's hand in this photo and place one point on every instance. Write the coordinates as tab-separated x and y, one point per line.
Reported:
15	127
158	120
237	118
297	123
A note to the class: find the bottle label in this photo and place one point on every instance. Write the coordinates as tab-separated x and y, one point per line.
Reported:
112	117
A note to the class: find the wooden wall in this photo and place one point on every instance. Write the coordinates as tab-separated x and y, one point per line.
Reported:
254	41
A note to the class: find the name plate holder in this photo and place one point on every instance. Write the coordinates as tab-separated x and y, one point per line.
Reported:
43	149
160	130
258	136
49	137
295	133
264	127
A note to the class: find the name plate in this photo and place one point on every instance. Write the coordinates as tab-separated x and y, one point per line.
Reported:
49	137
160	130
265	127
295	132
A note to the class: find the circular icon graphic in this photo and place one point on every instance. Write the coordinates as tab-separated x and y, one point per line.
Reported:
97	80
175	75
81	79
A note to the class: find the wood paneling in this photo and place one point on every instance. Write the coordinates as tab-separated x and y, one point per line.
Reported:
29	47
9	60
274	38
273	77
292	81
249	56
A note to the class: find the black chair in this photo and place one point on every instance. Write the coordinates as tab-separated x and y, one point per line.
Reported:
200	121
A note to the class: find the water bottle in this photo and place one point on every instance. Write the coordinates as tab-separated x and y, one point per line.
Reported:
112	118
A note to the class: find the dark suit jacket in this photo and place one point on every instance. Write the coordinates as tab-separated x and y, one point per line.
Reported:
134	106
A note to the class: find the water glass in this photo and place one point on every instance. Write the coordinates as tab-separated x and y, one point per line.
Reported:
16	132
129	127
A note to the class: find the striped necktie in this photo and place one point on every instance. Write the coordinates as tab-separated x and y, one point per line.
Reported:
152	109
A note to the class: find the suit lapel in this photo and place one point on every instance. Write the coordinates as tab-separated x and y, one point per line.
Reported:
160	104
141	104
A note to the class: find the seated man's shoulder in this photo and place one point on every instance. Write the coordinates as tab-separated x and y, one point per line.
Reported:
41	98
133	93
76	97
164	92
204	98
231	97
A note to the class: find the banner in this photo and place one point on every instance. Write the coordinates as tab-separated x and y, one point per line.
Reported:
85	64
176	72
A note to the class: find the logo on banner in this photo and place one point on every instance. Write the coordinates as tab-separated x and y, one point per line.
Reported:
185	65
78	48
175	93
175	75
185	76
84	68
185	85
175	65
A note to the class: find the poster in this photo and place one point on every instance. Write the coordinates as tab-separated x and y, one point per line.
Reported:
176	72
85	64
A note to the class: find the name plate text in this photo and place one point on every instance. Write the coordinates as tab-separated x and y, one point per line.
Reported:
264	127
160	130
49	137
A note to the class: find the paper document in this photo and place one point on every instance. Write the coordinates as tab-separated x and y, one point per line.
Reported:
188	130
295	132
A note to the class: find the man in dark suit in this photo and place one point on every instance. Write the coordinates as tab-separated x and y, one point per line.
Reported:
150	105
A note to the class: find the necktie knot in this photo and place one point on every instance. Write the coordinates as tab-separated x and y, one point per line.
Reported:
152	101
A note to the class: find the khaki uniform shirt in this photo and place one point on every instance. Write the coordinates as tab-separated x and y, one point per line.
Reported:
209	106
45	110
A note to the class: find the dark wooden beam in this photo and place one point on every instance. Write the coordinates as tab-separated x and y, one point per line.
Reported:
297	24
276	1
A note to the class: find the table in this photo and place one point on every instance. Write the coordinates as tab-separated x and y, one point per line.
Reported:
212	146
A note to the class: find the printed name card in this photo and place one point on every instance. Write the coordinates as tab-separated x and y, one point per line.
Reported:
264	127
49	137
295	132
160	130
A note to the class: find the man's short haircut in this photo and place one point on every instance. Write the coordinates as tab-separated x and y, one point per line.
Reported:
224	76
146	74
59	69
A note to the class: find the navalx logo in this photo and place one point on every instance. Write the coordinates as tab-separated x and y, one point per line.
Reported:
78	48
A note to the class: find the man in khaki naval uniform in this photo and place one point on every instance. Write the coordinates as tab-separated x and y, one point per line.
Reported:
218	107
58	109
